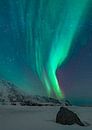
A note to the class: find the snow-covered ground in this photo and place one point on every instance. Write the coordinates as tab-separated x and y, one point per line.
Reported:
39	118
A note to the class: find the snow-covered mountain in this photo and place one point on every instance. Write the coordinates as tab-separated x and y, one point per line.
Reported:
36	100
11	94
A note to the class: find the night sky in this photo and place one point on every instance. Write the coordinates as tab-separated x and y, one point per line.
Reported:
46	47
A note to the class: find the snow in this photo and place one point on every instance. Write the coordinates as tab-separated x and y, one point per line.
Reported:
38	118
11	94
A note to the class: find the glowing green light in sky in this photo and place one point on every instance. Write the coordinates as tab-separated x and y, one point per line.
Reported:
51	26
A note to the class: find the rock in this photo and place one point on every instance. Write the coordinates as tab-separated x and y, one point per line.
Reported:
67	117
67	103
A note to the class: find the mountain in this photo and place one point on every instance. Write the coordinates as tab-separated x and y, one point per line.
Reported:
11	94
42	100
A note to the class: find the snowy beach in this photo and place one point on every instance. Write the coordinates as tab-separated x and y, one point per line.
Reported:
37	118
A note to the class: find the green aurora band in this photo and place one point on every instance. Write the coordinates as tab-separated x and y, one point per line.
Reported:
51	27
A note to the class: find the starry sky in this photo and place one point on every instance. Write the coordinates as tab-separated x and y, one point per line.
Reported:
46	49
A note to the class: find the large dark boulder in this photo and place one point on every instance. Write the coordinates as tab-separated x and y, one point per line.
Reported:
67	117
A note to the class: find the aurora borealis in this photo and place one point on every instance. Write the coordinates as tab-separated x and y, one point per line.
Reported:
54	32
37	38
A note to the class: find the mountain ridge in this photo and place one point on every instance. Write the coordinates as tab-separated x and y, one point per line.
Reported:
11	94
